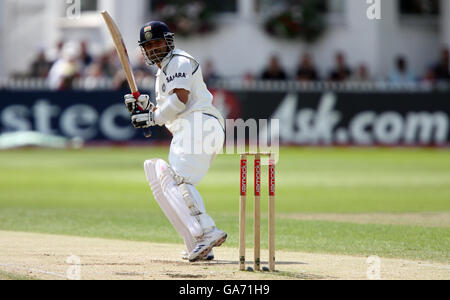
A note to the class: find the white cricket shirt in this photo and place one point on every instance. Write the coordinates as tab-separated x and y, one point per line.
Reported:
182	71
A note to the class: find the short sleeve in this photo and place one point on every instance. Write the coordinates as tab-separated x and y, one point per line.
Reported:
179	74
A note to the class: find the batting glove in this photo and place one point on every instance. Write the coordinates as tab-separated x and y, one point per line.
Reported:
143	119
141	103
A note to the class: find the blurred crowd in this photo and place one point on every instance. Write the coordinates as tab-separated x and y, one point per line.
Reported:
342	71
74	61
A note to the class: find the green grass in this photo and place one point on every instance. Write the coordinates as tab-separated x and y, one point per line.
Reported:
12	276
104	193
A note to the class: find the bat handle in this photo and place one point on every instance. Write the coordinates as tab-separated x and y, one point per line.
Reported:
136	95
147	131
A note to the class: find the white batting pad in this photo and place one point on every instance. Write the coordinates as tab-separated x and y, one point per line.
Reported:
171	214
174	198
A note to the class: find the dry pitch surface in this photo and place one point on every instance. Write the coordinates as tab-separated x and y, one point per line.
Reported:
44	256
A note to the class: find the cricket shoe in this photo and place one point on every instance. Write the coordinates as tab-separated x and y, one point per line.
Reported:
185	255
211	239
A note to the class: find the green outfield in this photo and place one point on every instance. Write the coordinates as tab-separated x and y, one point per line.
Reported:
102	192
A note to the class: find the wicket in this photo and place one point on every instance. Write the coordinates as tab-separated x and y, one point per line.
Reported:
257	211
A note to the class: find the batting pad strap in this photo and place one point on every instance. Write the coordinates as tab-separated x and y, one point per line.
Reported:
169	110
197	210
188	199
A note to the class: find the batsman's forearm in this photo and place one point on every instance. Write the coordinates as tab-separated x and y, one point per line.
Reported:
169	110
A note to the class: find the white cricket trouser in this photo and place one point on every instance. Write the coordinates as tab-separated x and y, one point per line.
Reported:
194	146
195	143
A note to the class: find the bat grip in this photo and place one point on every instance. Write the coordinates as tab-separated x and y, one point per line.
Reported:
136	95
147	131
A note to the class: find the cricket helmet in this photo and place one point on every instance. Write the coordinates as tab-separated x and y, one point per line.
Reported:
152	31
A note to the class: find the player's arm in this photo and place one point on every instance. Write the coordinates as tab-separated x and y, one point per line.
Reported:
159	115
179	73
175	104
183	95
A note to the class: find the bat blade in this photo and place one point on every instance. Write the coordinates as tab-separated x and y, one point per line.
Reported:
124	58
121	51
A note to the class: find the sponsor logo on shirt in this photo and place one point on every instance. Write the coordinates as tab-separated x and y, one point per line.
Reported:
176	75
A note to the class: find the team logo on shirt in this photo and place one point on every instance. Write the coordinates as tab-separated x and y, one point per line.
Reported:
176	75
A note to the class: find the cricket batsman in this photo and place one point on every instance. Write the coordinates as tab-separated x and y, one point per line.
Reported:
182	99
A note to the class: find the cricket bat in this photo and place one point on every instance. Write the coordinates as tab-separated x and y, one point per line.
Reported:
124	59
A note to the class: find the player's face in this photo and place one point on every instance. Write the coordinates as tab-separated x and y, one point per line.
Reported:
156	50
158	46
